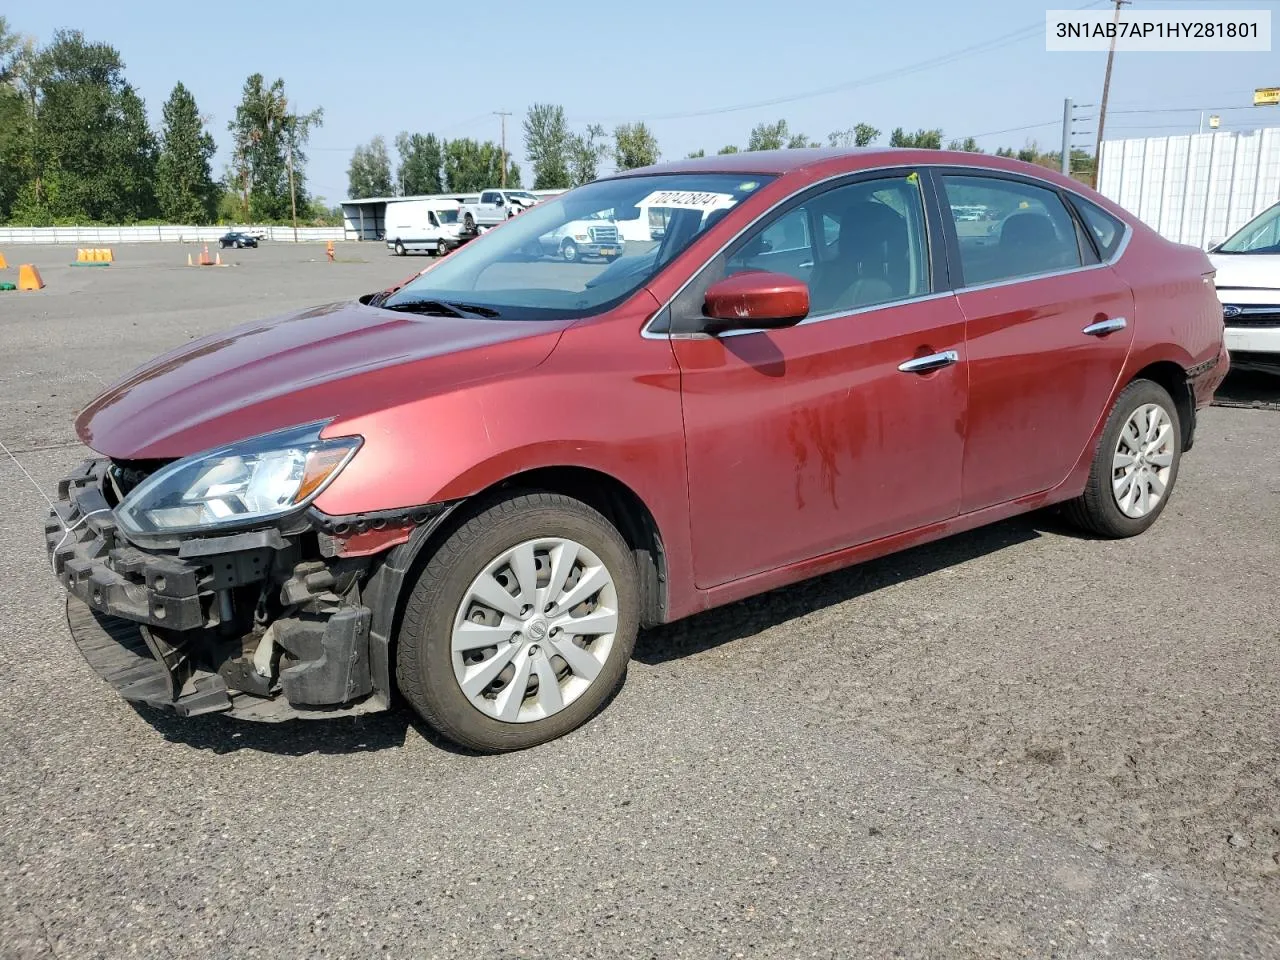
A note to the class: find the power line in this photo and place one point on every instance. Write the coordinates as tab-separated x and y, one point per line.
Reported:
1022	33
1029	126
1193	109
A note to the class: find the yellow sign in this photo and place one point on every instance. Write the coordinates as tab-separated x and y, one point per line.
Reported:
1266	96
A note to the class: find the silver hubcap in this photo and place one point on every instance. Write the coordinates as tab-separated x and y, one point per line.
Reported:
1143	460
534	630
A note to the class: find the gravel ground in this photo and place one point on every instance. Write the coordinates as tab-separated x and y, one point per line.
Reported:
1014	743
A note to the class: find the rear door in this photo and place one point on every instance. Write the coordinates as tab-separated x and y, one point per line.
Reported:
1048	330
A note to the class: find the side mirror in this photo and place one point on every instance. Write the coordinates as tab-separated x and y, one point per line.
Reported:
755	300
1214	244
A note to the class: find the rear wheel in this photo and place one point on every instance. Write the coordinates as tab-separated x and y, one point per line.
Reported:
1135	466
521	625
399	249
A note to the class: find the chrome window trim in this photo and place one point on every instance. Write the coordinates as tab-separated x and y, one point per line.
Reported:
835	314
647	334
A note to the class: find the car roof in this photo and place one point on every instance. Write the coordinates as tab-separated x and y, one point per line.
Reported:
843	159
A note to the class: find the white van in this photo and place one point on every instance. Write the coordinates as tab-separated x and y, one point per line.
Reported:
423	225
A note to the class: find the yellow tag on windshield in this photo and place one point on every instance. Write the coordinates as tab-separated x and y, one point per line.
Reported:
913	177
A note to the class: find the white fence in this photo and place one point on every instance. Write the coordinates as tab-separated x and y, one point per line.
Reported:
105	236
1194	188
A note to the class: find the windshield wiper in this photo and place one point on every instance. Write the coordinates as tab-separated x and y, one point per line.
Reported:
442	308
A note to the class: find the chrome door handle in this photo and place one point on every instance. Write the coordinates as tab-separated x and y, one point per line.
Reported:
935	361
1103	327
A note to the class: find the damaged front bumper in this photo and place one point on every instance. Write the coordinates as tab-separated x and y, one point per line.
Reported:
260	625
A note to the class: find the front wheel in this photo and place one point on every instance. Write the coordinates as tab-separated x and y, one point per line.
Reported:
569	251
1135	465
469	223
521	625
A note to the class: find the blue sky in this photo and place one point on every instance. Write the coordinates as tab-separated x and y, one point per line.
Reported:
386	66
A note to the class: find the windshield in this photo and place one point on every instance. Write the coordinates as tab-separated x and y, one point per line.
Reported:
1259	235
521	194
581	252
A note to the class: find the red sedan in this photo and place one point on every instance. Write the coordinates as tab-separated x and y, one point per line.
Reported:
471	491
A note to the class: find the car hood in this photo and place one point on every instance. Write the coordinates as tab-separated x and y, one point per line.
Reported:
1259	271
335	361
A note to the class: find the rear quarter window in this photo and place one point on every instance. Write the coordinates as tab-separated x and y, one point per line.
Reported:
1107	231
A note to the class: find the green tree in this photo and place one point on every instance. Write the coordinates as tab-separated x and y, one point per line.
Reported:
729	149
17	55
547	144
266	137
586	150
185	190
859	135
967	145
89	153
421	163
798	141
921	139
768	136
369	174
696	154
471	166
634	145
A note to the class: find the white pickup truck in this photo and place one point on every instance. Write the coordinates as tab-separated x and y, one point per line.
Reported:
493	207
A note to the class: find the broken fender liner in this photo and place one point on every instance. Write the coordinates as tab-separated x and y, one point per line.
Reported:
335	657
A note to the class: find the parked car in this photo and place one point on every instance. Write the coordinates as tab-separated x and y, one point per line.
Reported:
493	207
1248	283
585	238
422	225
237	240
471	490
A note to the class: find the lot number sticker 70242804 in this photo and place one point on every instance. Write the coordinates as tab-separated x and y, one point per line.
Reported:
687	200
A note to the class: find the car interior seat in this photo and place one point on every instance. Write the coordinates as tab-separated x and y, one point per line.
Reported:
1030	241
871	263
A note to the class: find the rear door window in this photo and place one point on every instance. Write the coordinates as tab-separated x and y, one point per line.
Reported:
1020	229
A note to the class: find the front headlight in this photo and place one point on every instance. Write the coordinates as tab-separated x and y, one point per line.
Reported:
237	485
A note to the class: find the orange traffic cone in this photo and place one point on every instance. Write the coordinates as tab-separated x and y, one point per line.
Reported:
4	264
29	277
189	263
217	261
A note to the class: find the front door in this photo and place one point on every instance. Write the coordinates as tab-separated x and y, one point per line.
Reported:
1048	333
844	429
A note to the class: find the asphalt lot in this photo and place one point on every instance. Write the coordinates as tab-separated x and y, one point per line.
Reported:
1014	743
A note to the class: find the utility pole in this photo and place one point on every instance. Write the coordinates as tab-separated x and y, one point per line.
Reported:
1067	110
503	114
293	193
1106	90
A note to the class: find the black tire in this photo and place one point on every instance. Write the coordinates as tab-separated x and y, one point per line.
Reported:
424	656
222	244
469	224
1096	510
569	251
400	251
